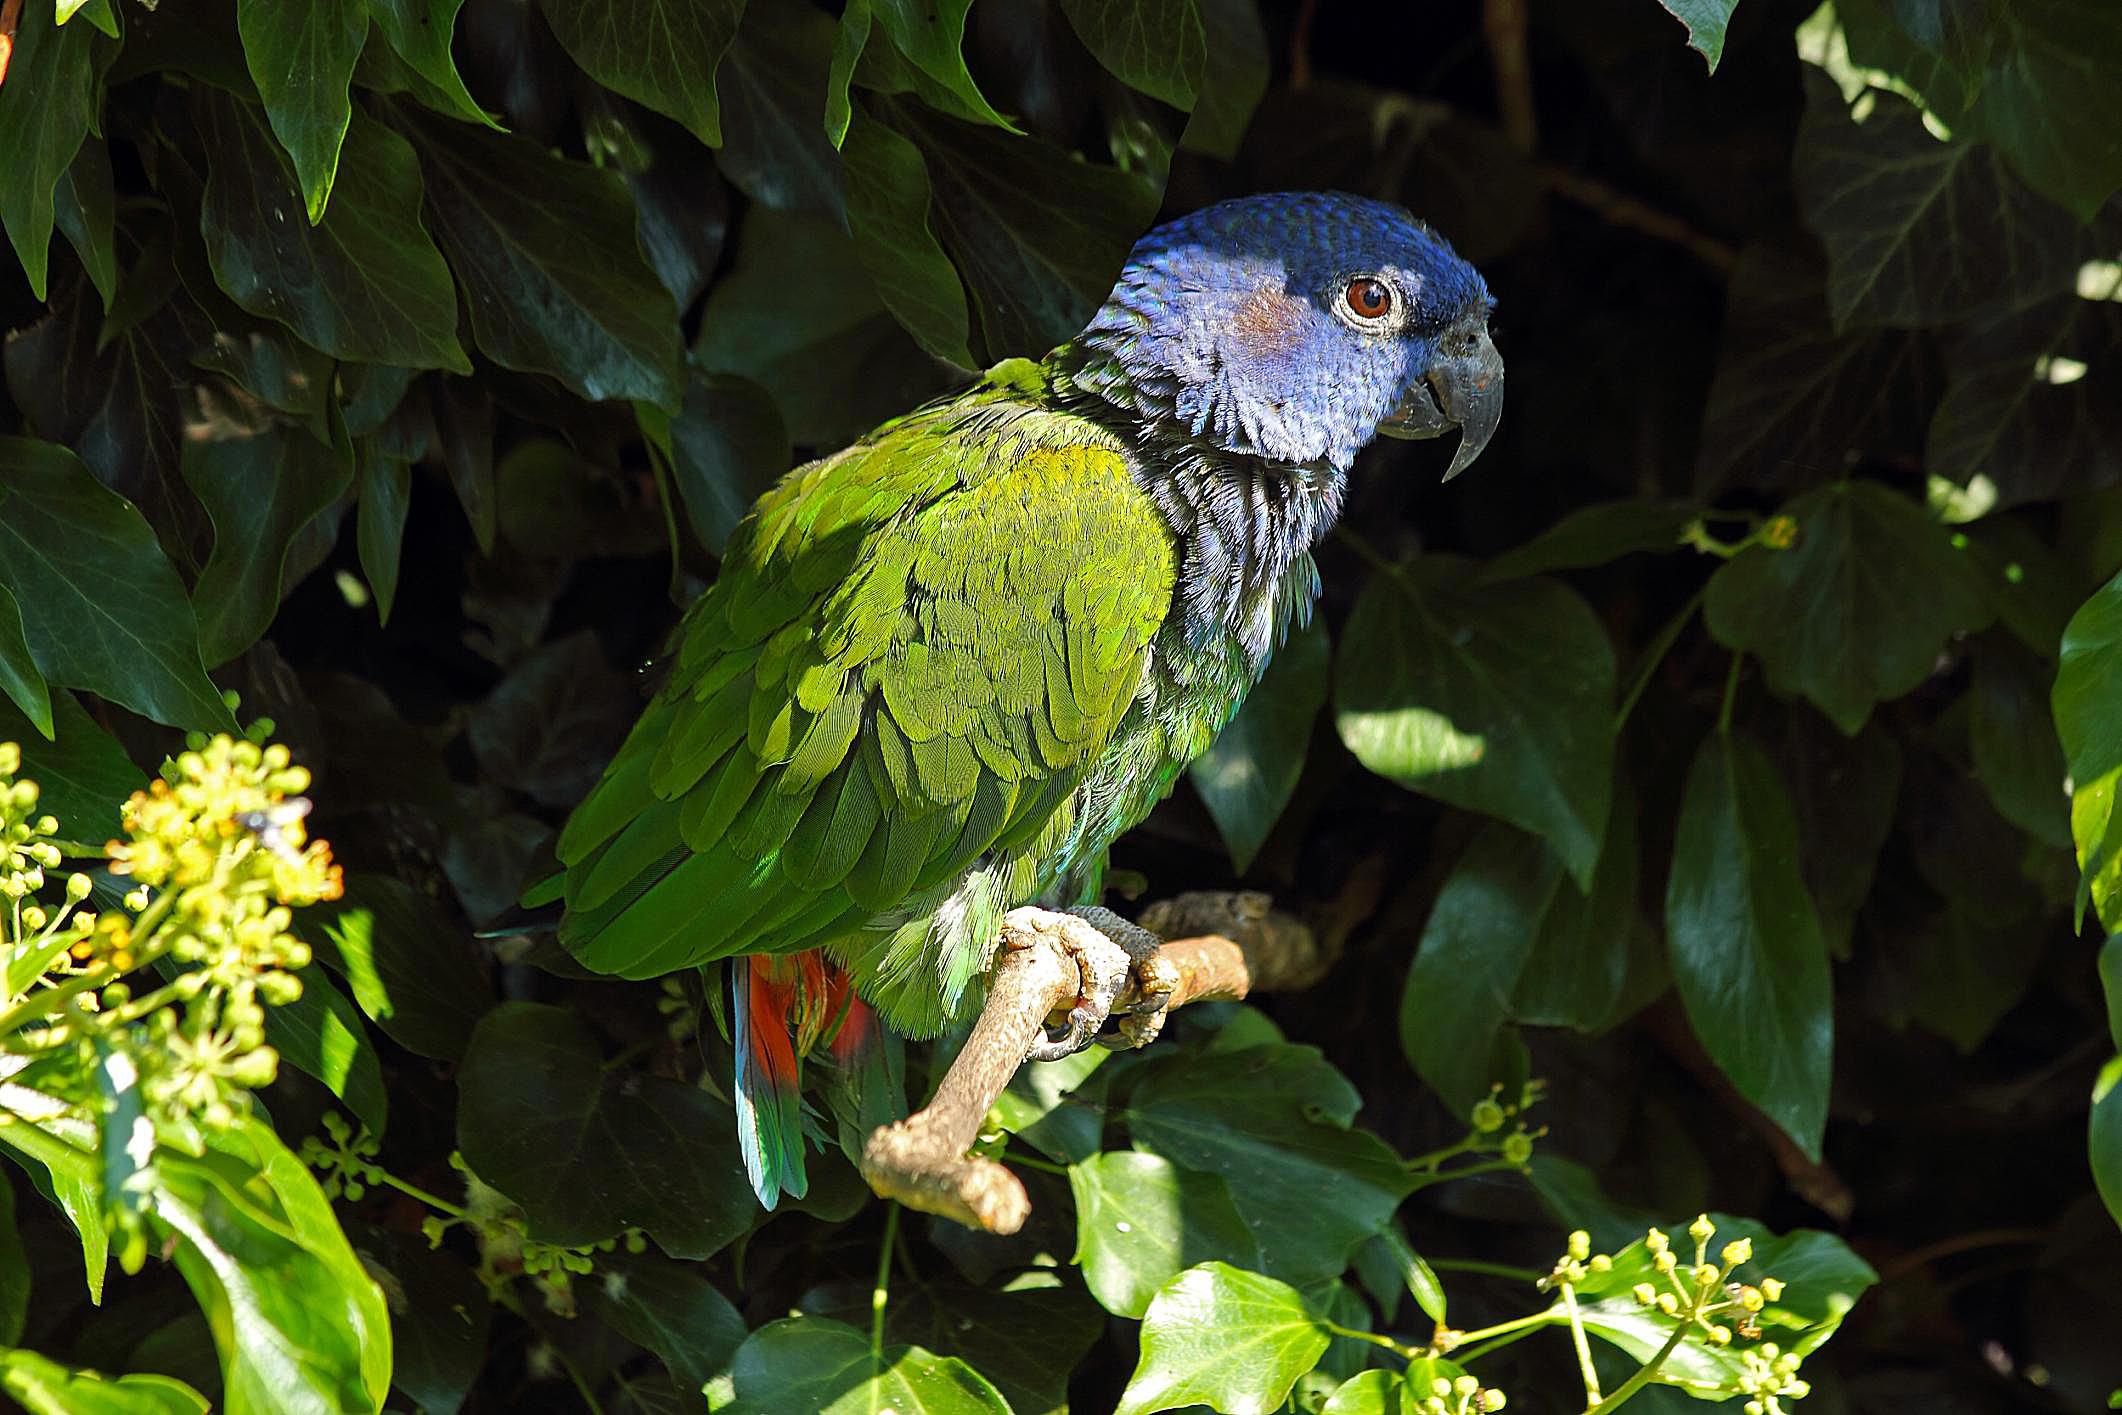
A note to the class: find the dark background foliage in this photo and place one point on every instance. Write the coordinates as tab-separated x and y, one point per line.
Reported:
1762	860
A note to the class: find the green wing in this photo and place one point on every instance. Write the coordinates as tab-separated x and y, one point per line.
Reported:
913	653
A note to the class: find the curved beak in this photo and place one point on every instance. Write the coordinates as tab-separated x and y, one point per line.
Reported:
1462	388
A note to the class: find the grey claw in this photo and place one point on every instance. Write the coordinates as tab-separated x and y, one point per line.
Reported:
1083	1024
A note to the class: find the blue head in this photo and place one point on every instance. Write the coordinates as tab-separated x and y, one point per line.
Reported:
1296	326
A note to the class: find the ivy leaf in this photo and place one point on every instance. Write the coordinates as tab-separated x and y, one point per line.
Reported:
2104	1137
1220	1336
2097	828
1159	47
440	1316
888	213
364	284
2087	700
82	774
386	492
1747	954
44	116
727	446
1921	232
588	1152
1495	698
1037	235
1596	535
672	1311
931	35
1843	791
1248	774
320	1034
811	1366
411	971
261	491
14	1273
1274	1122
550	264
1376	1393
2012	740
551	724
1142	1220
1232	81
302	59
102	607
1027	1339
1831	617
1706	21
774	82
296	1316
660	53
1576	972
19	677
47	1388
850	38
83	205
419	31
2033	402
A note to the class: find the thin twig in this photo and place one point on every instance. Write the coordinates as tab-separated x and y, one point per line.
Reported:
1620	209
1504	23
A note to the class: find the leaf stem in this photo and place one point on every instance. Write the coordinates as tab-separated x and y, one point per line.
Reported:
414	1191
1543	1318
1368	553
1400	1349
1487	1269
880	1292
1577	1339
1731	695
1628	1388
1655	655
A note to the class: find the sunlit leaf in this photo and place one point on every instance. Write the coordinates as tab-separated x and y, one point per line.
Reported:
45	113
419	32
47	1388
662	53
1249	773
818	1367
302	59
409	968
1220	1336
1706	21
1142	1220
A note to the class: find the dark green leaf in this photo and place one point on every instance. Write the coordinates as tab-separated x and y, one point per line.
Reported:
1496	698
409	968
1967	973
1831	618
1747	953
2111	986
47	1388
931	35
298	1320
1226	1338
1159	47
1041	1105
44	116
102	608
1455	1011
1374	1393
551	268
1706	21
419	32
2012	739
2087	700
2104	1137
2033	402
302	59
1027	1339
386	491
82	772
365	284
1919	231
888	213
1037	236
1142	1220
672	1311
261	490
1576	973
440	1317
1843	790
1273	1121
14	1271
727	446
588	1152
810	1366
320	1033
1596	535
774	84
82	204
1248	775
662	53
849	40
19	678
1233	80
548	728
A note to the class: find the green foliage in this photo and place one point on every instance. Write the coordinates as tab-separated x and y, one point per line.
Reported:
1737	751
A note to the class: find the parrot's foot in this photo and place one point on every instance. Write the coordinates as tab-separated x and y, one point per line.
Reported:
1116	962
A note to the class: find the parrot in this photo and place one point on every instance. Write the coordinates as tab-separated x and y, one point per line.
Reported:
940	671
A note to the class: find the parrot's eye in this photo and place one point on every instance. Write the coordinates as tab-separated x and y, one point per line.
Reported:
1368	298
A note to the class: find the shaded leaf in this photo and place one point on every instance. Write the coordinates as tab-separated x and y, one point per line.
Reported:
14	1273
588	1152
419	31
302	59
44	116
1232	81
1843	791
47	1388
2012	739
888	213
386	490
411	970
931	36
774	85
548	728
1027	1339
1142	1220
82	774
551	268
727	446
1576	972
102	608
661	53
672	1311
320	1033
365	283
1747	953
2033	402
1217	1335
810	1366
1159	47
1596	535
82	205
2104	1137
1496	698
1248	774
1274	1121
19	678
440	1317
1706	21
1831	618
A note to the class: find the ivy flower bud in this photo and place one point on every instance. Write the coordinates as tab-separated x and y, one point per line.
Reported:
1517	1147
1492	1400
33	918
1739	1250
1487	1116
1580	1245
1720	1335
1668	1304
1465	1385
1772	1288
1707	1275
77	887
1666	1261
1751	1299
1655	1241
1440	1387
1646	1295
1601	1263
1702	1230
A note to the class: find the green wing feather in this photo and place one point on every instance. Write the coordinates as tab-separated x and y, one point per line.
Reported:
914	652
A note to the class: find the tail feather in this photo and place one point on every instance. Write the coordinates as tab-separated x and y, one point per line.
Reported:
769	1083
868	1066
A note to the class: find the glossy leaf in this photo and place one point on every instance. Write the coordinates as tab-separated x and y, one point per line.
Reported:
774	83
671	1310
1495	698
1274	1121
818	1367
1830	618
2087	700
82	774
419	31
2012	738
19	678
1159	47
1598	534
82	205
102	608
1248	775
588	1152
1373	1393
727	447
302	58
2104	1137
1747	954
44	1387
888	213
1706	21
1226	1338
44	116
2014	420
1232	81
365	283
1027	1338
549	262
386	489
320	1033
441	1317
409	969
1142	1220
931	36
661	53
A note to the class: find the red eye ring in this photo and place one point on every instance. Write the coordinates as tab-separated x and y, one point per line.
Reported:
1368	298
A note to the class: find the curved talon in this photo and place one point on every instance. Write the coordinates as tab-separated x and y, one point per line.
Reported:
1081	1031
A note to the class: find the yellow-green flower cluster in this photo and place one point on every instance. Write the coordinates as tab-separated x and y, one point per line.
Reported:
1463	1396
26	850
1766	1373
1703	1292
